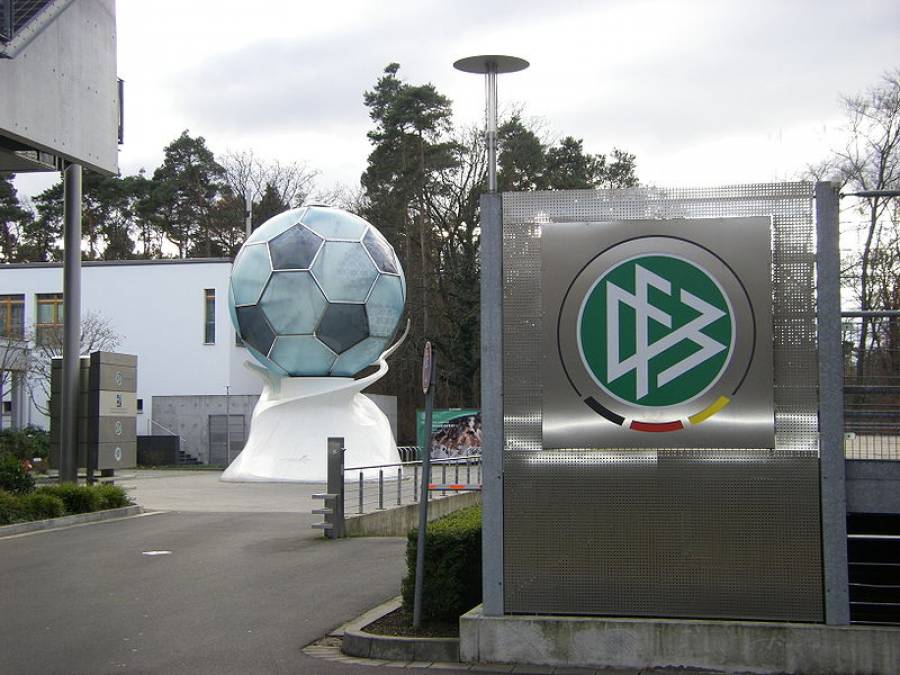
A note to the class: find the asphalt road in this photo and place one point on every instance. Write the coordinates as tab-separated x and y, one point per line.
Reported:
239	593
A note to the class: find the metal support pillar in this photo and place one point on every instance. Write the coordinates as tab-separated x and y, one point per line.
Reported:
68	461
492	402
831	405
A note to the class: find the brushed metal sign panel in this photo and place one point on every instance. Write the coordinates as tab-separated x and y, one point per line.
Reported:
730	534
113	430
114	404
117	455
113	378
658	333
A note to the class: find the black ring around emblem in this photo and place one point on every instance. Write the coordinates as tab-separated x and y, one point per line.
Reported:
591	402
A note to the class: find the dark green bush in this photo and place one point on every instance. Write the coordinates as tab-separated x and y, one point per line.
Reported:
13	478
452	566
111	496
10	508
26	443
40	506
77	498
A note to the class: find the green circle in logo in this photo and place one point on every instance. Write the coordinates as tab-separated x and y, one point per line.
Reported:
655	330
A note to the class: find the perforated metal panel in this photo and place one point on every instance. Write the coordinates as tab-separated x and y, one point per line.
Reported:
717	533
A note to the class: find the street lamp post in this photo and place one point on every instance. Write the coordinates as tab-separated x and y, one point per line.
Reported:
491	65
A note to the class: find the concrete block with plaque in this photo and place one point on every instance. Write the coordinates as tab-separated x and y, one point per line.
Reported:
107	409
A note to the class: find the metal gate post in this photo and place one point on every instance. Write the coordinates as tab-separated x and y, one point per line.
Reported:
333	508
492	402
831	405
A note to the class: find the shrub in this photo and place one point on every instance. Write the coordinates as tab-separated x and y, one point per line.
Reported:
40	506
26	443
452	566
111	496
77	498
10	508
14	478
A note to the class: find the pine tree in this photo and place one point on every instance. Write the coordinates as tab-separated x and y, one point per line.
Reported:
184	192
13	219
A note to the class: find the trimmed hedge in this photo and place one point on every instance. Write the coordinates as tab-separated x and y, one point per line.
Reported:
10	508
41	506
53	501
77	498
452	566
111	496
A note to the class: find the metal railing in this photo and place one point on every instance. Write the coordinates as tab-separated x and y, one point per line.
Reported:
408	453
385	486
189	454
871	384
15	14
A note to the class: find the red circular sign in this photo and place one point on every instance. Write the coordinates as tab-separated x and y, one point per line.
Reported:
426	368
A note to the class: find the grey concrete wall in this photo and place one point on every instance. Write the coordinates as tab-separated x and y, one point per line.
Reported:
397	522
721	646
60	94
188	416
873	486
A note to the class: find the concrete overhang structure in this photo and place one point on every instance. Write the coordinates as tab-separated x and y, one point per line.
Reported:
60	97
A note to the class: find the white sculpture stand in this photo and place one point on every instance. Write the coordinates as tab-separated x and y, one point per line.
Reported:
293	420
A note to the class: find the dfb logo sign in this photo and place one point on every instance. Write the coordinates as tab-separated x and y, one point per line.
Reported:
654	334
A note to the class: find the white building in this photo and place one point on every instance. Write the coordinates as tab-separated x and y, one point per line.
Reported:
172	314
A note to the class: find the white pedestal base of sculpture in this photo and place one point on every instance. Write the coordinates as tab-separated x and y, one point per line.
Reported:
293	420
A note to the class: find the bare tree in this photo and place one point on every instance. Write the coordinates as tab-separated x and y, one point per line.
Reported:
869	160
13	360
245	172
97	334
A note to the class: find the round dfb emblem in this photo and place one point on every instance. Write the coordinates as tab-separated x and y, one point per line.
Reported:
656	333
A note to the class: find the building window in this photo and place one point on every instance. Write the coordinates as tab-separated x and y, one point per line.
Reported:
12	315
140	406
48	328
209	333
7	407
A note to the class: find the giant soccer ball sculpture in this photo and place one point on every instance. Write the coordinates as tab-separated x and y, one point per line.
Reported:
316	296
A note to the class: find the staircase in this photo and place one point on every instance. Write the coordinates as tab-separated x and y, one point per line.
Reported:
184	458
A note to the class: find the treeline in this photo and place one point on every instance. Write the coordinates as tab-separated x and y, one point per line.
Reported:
421	188
192	206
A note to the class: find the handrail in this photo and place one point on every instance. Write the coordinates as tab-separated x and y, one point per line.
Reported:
184	446
870	314
444	460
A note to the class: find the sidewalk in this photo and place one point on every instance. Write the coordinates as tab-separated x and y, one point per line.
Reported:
202	491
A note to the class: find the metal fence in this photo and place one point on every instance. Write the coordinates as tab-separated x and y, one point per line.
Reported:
871	384
385	486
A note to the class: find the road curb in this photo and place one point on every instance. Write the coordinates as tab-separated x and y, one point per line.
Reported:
356	642
64	521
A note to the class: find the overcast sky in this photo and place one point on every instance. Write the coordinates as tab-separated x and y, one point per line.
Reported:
704	92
